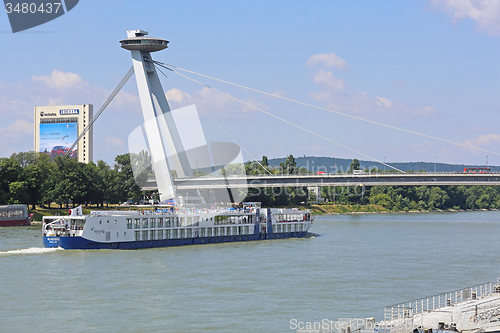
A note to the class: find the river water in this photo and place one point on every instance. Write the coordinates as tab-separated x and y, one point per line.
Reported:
358	265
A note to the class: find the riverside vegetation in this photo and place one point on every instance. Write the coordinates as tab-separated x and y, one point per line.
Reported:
35	179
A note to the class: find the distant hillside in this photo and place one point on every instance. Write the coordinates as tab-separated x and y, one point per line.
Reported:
327	164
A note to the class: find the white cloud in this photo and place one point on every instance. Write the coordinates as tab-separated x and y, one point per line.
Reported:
335	94
13	137
61	80
485	13
329	80
280	93
127	99
328	60
19	128
483	140
384	102
177	96
427	110
220	105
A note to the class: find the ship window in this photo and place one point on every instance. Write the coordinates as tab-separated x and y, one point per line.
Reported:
246	230
160	234
189	233
144	223
137	223
145	235
137	235
160	223
235	231
152	223
183	219
182	233
167	233
167	222
289	228
228	231
152	235
209	232
174	233
202	233
129	223
189	220
240	230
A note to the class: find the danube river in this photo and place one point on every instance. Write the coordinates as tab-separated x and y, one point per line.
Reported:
358	265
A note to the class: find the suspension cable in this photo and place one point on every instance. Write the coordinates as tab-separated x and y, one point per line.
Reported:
213	120
279	118
333	111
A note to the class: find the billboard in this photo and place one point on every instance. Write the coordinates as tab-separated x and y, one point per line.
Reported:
57	138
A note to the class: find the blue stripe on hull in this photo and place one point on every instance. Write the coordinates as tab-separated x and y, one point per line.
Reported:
79	243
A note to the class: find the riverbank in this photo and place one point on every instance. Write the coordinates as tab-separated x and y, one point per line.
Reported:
332	209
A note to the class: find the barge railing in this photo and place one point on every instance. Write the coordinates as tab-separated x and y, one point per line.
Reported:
407	310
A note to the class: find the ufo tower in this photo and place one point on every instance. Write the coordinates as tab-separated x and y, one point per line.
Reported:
159	126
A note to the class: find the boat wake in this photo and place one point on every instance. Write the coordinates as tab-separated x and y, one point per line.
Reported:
31	250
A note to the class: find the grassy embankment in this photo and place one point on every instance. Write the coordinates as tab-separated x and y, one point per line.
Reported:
319	209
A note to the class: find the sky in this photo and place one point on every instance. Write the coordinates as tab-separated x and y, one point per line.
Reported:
425	66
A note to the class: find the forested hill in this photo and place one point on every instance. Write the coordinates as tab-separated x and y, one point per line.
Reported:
327	164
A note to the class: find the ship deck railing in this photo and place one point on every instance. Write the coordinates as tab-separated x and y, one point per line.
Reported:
185	211
409	309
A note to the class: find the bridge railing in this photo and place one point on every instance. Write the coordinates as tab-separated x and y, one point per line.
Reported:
347	175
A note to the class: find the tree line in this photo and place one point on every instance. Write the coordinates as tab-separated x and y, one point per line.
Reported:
35	179
396	198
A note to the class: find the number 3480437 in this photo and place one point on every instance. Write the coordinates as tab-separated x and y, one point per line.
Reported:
25	8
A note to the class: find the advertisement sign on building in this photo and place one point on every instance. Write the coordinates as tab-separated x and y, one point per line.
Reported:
58	127
57	138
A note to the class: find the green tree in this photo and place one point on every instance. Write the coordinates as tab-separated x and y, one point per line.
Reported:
130	188
35	175
354	165
18	193
288	167
10	172
438	198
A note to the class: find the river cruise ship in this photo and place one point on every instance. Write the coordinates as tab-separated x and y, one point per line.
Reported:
172	227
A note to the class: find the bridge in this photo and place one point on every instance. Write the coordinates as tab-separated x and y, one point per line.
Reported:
344	179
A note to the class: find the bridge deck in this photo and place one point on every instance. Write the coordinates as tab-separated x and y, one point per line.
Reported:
312	180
